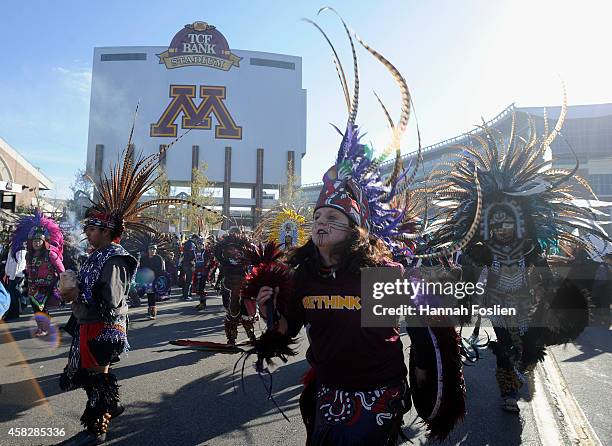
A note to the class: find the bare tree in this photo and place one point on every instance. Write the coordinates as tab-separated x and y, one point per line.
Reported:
201	193
82	182
82	188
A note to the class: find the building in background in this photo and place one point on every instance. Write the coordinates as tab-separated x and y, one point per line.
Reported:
20	181
243	113
587	131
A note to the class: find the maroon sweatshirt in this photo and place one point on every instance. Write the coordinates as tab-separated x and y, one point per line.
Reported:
343	354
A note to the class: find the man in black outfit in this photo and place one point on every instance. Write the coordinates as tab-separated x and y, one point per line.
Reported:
187	265
156	263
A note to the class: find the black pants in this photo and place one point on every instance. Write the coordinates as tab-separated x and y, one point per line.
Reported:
14	290
188	270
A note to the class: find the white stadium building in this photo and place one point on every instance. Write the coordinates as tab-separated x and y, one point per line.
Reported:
243	113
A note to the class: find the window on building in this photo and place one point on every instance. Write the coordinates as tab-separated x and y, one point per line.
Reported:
601	183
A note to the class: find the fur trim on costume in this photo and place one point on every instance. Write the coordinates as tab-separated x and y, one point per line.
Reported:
249	327
103	398
231	330
273	344
507	381
568	314
533	346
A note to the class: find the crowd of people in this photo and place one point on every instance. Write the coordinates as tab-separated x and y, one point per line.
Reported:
505	219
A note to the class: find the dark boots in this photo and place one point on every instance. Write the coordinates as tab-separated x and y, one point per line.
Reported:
102	406
231	330
509	385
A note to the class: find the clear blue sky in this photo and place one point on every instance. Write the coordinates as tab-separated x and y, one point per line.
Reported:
462	60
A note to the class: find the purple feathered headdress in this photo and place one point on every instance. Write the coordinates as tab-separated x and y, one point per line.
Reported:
354	184
41	227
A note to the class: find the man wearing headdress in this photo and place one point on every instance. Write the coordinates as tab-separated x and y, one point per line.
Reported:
522	207
100	290
229	252
99	303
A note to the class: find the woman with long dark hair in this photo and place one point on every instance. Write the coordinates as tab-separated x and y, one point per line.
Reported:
356	391
358	378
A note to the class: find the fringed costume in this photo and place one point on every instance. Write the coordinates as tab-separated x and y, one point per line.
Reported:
102	288
522	207
229	252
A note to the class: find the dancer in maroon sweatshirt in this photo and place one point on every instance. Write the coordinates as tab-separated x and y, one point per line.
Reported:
357	392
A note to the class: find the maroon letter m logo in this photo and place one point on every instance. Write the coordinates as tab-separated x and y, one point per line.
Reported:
197	117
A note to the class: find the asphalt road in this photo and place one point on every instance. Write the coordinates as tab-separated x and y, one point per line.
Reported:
176	396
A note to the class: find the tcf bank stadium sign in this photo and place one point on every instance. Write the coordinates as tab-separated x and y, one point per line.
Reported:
198	44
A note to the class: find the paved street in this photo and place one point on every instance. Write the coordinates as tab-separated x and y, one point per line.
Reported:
178	396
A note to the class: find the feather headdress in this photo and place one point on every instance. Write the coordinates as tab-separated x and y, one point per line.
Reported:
41	227
138	242
282	222
239	241
354	183
518	182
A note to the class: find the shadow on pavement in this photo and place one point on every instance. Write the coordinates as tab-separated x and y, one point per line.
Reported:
209	407
18	397
594	341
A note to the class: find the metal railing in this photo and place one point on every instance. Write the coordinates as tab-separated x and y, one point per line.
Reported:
437	145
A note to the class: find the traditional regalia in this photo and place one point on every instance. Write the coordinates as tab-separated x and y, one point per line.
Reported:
43	264
356	391
524	208
229	252
103	284
286	225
